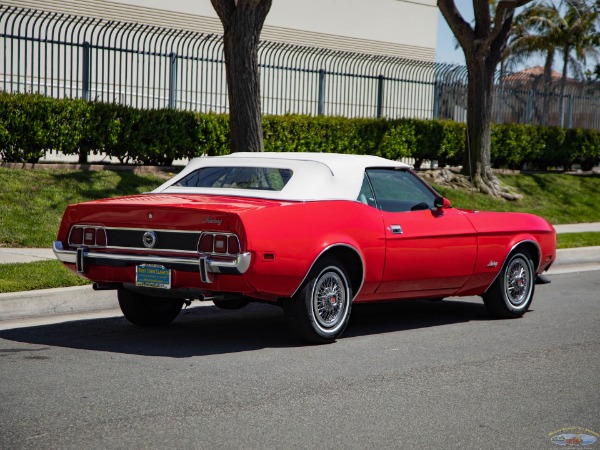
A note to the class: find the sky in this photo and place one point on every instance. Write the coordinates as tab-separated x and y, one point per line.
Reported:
445	52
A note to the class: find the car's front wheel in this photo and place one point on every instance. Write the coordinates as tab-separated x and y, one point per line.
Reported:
145	310
512	292
320	311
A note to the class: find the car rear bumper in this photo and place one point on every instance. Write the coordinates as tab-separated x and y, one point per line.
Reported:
85	257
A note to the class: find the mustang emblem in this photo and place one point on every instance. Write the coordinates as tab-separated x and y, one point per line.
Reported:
213	220
149	239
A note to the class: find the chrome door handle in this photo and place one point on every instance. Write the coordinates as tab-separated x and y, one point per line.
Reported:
395	229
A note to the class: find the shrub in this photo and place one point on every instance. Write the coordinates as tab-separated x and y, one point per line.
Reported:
32	124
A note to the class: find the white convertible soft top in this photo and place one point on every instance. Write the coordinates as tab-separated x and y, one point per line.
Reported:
316	176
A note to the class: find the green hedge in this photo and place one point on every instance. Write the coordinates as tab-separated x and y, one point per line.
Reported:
32	124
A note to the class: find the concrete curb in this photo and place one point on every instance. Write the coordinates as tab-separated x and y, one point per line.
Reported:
49	302
580	255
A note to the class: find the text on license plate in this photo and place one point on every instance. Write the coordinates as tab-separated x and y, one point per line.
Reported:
153	275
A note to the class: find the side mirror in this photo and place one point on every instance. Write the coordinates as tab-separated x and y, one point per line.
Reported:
441	203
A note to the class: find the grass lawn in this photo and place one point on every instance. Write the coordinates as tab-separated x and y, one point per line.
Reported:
32	202
36	275
559	198
572	240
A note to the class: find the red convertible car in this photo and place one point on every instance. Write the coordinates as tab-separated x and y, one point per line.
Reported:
313	233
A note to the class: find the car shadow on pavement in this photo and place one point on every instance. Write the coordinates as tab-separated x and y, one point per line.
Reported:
386	317
208	330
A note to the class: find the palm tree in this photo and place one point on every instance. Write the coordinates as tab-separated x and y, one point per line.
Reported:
570	28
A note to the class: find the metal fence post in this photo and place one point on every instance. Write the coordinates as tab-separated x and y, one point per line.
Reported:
530	106
436	100
85	76
570	111
172	80
500	100
321	107
379	96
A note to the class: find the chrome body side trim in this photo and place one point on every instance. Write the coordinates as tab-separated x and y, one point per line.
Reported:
81	257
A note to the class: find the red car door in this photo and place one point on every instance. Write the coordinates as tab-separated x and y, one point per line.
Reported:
427	248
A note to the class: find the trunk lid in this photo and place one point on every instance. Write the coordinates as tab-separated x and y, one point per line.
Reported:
170	212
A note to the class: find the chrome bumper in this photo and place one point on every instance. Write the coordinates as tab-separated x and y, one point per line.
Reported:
84	257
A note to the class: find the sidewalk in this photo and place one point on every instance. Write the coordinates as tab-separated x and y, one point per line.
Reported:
25	255
62	301
577	228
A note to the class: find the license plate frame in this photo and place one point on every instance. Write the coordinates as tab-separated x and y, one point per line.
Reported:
152	276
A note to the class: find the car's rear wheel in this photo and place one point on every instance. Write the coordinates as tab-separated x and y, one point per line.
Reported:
320	311
512	292
145	310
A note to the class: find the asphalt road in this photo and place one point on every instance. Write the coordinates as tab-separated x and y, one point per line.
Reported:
418	375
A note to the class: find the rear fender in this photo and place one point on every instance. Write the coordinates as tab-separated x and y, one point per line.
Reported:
344	252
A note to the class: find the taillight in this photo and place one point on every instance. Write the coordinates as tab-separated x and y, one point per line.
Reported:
206	243
101	237
219	243
76	236
233	245
93	236
89	236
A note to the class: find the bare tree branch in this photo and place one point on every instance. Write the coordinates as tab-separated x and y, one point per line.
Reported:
460	27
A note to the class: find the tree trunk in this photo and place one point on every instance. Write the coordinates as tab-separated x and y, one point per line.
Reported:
547	83
477	162
83	156
242	23
563	84
483	45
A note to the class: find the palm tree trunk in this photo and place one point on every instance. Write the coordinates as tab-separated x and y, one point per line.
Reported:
547	81
563	85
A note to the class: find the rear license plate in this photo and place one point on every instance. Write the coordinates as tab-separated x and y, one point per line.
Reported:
153	276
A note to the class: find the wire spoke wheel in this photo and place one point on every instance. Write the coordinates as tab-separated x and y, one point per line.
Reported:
320	311
329	299
517	283
511	294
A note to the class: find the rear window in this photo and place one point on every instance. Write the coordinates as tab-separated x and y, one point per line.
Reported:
261	178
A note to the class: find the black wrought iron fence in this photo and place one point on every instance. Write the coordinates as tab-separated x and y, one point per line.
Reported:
144	66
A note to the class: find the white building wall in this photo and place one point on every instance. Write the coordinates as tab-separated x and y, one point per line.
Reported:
410	24
402	28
